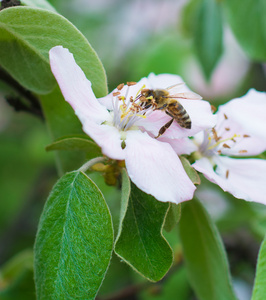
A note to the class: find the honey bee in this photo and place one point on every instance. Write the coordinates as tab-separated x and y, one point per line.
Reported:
161	99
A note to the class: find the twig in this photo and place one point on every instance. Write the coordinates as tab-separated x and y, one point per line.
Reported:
131	291
34	105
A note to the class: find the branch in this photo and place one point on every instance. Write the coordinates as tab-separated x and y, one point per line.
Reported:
34	105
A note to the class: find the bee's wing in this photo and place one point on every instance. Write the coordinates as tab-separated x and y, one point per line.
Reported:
187	95
175	87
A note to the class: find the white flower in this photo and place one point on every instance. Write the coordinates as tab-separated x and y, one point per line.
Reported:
240	126
126	132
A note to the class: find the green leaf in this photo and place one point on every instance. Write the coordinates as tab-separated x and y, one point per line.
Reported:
74	240
188	17
208	35
140	242
172	217
248	22
204	254
191	172
39	4
259	290
26	36
76	142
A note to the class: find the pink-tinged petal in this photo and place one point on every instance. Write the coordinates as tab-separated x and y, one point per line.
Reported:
180	146
107	101
153	122
243	178
200	114
164	81
107	137
249	111
75	87
155	168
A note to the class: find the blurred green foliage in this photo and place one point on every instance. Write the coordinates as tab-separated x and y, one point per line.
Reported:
132	39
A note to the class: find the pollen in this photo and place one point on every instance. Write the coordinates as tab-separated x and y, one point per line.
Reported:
227	128
130	83
213	108
116	94
242	151
227	174
120	86
226	146
246	135
225	116
215	136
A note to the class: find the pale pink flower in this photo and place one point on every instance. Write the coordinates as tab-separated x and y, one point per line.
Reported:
239	132
124	134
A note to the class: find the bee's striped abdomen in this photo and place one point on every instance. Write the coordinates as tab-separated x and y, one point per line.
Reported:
177	111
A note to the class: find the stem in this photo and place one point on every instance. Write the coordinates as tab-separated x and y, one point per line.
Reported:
90	163
34	105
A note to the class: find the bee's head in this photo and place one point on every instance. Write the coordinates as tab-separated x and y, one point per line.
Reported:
147	93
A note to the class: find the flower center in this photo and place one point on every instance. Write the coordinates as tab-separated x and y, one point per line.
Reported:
220	144
126	109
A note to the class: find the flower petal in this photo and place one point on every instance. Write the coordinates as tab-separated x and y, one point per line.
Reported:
180	146
249	111
246	177
75	87
107	137
155	168
244	142
164	81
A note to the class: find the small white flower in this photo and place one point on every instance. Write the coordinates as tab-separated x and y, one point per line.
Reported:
125	132
220	149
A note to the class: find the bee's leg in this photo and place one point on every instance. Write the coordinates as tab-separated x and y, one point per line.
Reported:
163	129
162	107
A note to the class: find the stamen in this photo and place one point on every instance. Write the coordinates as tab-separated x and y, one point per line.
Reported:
225	116
246	135
130	83
234	140
139	93
213	108
219	152
116	94
227	174
120	86
242	151
227	128
144	90
226	146
221	141
215	136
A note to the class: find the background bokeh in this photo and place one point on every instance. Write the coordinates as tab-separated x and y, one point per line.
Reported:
132	39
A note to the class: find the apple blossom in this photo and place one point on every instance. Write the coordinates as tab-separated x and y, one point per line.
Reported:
125	131
220	150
